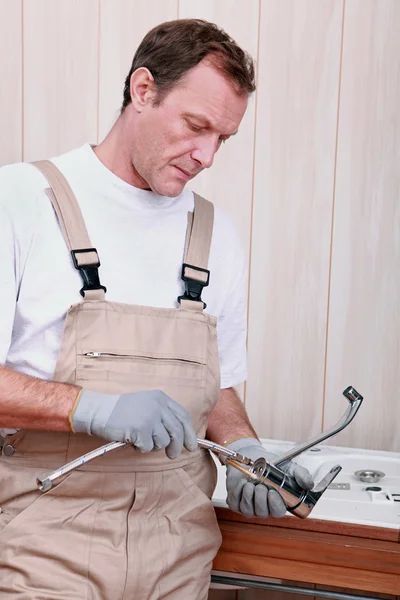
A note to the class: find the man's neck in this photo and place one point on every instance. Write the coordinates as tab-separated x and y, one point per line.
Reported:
115	156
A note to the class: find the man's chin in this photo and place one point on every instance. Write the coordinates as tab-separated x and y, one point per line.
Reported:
169	189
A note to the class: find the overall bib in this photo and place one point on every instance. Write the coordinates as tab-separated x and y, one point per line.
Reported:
127	525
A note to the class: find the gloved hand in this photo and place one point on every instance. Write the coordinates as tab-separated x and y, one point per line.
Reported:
257	500
150	420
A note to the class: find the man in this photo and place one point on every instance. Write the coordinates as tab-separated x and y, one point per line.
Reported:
142	355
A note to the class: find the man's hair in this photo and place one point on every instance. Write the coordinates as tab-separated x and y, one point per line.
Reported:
171	49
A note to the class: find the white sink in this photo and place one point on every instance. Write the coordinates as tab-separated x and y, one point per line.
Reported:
354	505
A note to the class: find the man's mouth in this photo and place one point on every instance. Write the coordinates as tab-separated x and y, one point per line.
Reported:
185	174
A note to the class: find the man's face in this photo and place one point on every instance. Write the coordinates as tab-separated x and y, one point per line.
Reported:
176	140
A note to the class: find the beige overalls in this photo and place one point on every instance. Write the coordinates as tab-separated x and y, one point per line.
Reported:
127	525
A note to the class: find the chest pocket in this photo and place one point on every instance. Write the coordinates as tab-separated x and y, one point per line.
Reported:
126	369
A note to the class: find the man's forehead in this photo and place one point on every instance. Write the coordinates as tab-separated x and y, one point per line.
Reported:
206	77
208	95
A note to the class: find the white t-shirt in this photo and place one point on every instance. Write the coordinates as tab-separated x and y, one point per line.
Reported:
140	239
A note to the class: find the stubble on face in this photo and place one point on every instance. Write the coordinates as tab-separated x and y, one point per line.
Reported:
167	152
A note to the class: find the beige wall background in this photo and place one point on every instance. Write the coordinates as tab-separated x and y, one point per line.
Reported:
312	180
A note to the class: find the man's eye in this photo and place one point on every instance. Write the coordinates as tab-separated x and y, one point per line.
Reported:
193	127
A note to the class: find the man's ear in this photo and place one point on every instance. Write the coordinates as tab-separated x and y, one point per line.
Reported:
143	88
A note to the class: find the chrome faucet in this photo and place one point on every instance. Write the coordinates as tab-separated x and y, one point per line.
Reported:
298	501
355	400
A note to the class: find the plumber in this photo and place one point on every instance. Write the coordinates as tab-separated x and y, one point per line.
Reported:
146	348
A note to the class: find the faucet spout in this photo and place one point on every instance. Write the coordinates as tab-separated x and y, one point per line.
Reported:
355	399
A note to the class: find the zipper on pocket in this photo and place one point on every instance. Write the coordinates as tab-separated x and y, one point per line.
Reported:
115	355
140	358
96	354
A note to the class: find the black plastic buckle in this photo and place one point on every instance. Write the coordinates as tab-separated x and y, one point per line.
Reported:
89	273
193	288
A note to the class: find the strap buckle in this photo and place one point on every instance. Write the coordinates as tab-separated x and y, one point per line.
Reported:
89	273
193	287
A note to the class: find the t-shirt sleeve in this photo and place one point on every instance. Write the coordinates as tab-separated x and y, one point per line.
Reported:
232	322
8	278
15	236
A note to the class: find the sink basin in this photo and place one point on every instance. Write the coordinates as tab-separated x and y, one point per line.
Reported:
349	500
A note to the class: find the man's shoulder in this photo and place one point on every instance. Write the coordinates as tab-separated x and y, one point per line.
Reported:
21	188
20	180
24	177
17	172
224	221
226	234
224	225
22	184
226	243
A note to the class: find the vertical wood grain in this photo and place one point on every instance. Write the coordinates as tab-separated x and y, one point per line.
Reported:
293	193
60	75
10	81
364	318
123	24
229	181
62	69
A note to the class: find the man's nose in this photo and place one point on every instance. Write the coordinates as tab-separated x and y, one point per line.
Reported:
204	152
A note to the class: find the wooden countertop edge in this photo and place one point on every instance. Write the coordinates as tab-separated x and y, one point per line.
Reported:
316	549
300	571
310	551
333	527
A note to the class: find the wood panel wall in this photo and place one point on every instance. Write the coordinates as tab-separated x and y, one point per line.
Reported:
311	181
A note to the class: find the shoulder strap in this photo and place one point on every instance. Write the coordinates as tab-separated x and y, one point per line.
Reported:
84	256
197	251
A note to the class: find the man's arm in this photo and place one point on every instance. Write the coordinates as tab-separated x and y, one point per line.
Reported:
25	402
229	421
137	418
30	403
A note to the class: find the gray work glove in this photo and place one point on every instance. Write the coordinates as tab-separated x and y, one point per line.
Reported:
257	500
150	420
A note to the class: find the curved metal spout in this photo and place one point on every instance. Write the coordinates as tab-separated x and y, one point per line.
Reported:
355	399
